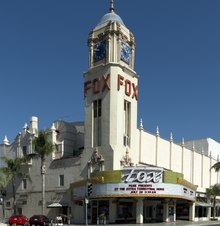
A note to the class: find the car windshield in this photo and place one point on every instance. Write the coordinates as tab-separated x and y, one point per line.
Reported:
38	216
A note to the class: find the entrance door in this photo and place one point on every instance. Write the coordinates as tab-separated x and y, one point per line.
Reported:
65	214
182	211
126	211
94	210
148	216
100	209
171	214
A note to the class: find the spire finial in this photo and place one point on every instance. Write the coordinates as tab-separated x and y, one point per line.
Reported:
183	142
53	128
193	146
5	141
111	9
157	132
141	124
171	137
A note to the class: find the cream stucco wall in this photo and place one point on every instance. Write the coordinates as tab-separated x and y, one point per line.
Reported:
206	145
154	150
186	159
176	157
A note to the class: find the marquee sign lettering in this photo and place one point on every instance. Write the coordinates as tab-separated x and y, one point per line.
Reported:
101	84
141	189
142	175
133	189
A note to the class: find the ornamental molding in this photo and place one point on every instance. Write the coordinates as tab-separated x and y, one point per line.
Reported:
96	162
126	159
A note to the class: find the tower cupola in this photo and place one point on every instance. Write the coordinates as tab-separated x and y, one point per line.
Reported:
111	16
111	41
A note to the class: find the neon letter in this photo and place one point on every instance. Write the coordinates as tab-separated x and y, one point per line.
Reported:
128	88
96	85
120	81
106	85
135	93
86	87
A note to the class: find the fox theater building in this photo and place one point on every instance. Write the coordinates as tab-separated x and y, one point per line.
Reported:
129	174
107	167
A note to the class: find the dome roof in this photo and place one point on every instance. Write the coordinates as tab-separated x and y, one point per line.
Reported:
111	17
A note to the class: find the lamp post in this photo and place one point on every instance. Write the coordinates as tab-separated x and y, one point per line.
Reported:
86	206
3	193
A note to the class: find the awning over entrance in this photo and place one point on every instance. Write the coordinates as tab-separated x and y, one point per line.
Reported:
203	204
56	205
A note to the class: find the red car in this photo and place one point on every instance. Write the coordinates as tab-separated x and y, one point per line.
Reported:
18	219
39	220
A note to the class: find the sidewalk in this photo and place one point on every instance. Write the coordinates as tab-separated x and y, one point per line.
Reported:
177	223
184	223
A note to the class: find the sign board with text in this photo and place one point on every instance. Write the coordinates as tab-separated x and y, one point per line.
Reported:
139	181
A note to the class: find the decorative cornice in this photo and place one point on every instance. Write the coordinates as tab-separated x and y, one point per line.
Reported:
110	31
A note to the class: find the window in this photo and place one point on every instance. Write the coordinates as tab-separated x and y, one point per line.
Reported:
61	180
24	184
127	118
97	112
24	150
125	210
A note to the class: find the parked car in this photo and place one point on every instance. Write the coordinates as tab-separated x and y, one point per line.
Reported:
39	220
18	219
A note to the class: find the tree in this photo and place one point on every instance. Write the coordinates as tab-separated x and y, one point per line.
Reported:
216	166
212	193
42	148
13	171
3	183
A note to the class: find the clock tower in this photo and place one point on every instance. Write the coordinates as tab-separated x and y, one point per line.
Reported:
111	95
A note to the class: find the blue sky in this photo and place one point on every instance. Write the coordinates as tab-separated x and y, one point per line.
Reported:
43	54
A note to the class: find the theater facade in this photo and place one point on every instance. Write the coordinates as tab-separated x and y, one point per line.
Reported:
129	174
136	194
107	167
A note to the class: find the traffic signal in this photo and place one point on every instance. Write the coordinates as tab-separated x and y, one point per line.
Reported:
89	191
